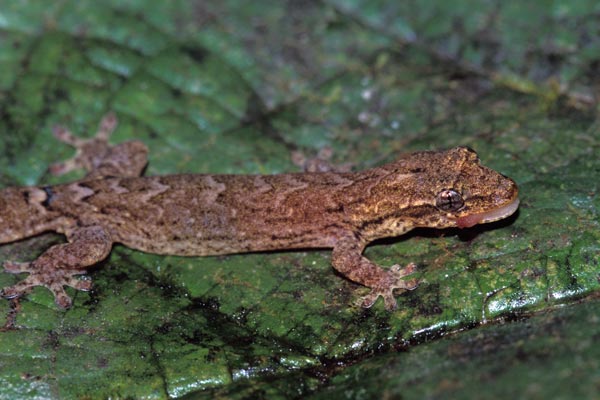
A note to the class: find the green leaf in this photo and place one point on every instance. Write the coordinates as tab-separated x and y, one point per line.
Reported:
235	87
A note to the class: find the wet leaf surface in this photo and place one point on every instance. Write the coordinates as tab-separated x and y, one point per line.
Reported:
226	87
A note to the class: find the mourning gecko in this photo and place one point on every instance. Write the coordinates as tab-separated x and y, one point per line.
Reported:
205	214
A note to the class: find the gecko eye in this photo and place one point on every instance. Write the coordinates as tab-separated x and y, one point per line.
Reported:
449	200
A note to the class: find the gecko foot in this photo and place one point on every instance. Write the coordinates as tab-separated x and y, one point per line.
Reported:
386	288
97	157
51	278
90	152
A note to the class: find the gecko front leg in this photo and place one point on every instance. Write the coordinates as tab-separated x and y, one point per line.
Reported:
347	258
56	267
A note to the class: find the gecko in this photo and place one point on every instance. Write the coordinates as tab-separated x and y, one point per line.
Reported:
211	214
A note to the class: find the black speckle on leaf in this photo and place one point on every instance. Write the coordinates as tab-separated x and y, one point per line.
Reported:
196	53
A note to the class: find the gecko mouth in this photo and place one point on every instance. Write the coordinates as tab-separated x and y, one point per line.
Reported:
489	216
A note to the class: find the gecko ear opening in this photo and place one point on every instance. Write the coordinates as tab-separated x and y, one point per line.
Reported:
449	200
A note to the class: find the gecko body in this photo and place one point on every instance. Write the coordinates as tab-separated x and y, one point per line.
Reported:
203	214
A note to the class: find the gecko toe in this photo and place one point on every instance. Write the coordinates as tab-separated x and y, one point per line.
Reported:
62	134
84	285
63	300
388	299
400	272
396	275
368	300
16	267
107	126
18	290
10	293
411	284
61	168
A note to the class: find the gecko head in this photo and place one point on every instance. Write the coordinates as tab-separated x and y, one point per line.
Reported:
461	192
478	194
440	189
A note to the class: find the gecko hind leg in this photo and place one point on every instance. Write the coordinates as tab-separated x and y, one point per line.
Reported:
89	152
98	157
53	279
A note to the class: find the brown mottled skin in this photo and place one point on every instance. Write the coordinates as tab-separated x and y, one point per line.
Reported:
200	215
